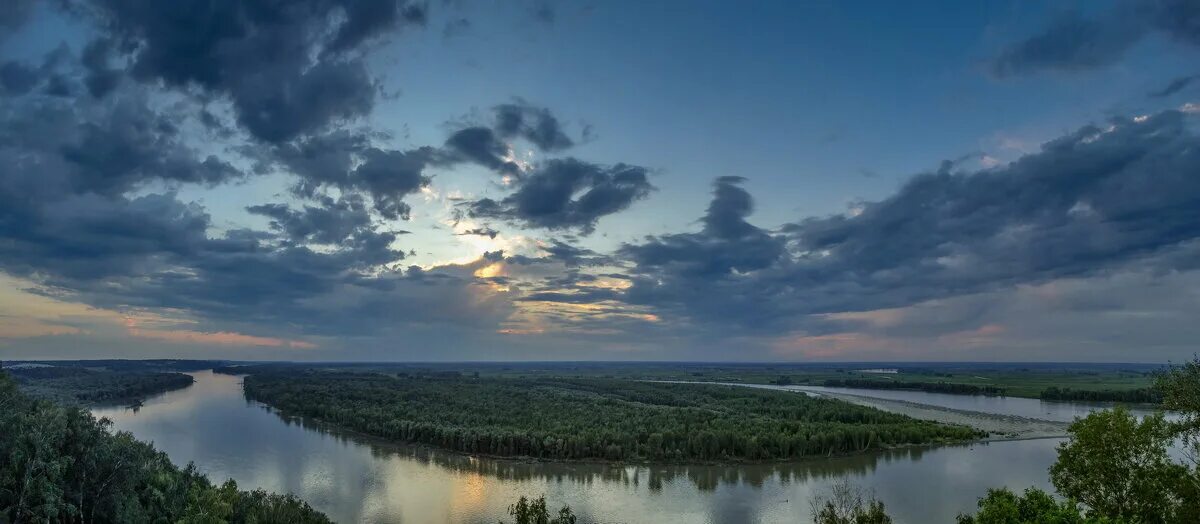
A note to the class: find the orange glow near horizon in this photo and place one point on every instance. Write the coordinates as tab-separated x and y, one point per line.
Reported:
223	338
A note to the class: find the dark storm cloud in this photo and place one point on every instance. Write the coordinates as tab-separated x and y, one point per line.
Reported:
481	231
1075	42
80	219
331	222
535	124
567	193
1175	86
89	161
13	14
573	256
1070	43
559	252
17	78
276	112
56	147
101	77
388	176
349	162
727	243
485	145
1089	202
482	146
288	68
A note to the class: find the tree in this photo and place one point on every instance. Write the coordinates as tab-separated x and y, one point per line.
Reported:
60	464
1119	468
1035	506
847	504
534	511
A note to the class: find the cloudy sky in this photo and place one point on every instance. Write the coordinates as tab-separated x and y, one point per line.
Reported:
486	180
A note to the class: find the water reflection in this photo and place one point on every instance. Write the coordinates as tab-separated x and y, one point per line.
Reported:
359	479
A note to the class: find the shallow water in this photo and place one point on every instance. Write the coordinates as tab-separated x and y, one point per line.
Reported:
358	479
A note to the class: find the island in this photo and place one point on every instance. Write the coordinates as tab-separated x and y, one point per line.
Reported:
589	418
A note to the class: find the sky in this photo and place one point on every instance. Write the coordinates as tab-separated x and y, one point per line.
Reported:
391	180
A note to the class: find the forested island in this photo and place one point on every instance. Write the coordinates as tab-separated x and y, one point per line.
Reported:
59	464
591	419
87	386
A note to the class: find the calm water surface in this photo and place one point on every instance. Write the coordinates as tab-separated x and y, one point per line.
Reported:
355	479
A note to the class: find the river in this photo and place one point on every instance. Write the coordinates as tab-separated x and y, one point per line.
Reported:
358	479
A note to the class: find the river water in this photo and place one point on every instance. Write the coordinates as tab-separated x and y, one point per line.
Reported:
359	479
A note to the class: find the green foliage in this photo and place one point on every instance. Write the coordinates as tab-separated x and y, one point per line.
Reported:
76	385
846	504
592	418
1035	506
1118	466
1139	395
534	511
1180	387
60	464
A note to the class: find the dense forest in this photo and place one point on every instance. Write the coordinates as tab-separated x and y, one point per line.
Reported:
1139	395
84	386
591	418
60	464
932	387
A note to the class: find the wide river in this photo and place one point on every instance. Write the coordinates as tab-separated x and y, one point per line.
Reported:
357	479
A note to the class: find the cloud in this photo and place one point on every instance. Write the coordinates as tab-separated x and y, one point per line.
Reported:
485	144
17	78
13	14
1070	43
349	162
1175	86
481	231
535	124
567	193
1092	201
1074	42
482	146
728	243
288	68
388	176
332	222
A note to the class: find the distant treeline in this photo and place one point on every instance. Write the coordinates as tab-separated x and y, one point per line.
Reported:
932	387
119	364
83	386
60	464
591	418
1140	395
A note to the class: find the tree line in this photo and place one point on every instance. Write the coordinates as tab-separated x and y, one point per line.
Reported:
83	386
932	387
60	464
591	418
1139	395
